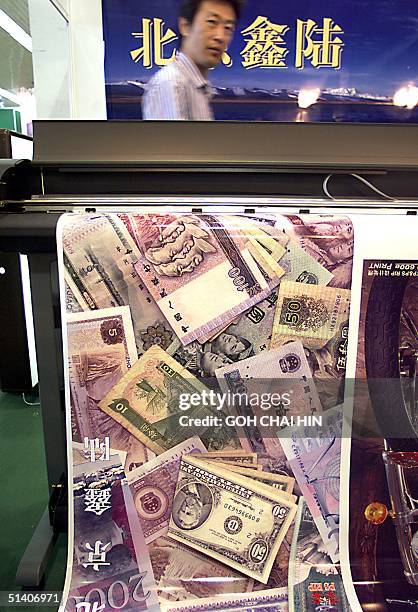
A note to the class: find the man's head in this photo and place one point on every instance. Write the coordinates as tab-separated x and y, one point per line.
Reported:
206	29
230	345
209	362
189	512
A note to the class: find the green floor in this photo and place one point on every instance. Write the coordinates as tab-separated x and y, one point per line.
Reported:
23	493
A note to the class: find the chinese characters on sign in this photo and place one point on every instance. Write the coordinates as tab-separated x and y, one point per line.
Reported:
265	44
153	42
322	51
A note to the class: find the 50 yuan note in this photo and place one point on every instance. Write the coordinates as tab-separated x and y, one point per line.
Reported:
146	401
229	517
101	349
153	485
99	260
310	313
182	260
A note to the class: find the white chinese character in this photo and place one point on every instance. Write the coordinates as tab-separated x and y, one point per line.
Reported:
94	446
97	556
97	501
88	607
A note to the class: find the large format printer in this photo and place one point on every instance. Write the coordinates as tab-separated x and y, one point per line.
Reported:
101	166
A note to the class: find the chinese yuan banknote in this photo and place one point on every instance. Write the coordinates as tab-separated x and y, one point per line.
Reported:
182	260
313	578
300	267
329	239
315	462
310	313
278	372
146	402
229	517
111	563
153	485
182	574
271	600
101	349
99	259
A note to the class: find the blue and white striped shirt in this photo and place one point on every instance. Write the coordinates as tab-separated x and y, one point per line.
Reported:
178	91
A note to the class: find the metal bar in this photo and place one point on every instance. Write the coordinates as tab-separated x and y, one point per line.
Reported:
49	360
35	558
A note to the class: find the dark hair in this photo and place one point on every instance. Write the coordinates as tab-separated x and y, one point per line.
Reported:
189	8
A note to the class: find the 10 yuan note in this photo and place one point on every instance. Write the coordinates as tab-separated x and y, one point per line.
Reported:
146	401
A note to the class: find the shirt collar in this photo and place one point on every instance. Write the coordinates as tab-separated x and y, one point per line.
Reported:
193	72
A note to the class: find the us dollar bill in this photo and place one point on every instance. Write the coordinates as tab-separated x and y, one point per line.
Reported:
146	401
310	313
313	578
280	482
229	517
236	457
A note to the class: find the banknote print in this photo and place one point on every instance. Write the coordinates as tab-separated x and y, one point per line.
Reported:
179	329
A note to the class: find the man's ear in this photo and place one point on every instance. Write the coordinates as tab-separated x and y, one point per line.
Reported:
184	27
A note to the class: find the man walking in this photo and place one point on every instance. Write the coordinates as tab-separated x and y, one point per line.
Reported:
181	89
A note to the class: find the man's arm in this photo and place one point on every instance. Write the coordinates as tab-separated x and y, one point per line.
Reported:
165	99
